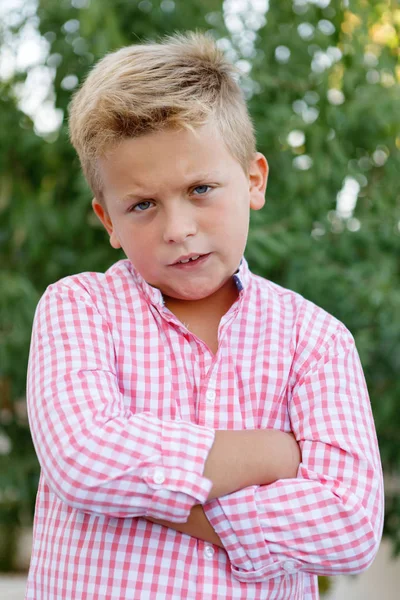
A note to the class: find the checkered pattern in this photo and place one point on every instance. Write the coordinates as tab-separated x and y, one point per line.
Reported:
123	403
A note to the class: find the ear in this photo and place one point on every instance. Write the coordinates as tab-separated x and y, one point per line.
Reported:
104	217
258	177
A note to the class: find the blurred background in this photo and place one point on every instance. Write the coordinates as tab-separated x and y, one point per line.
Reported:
322	79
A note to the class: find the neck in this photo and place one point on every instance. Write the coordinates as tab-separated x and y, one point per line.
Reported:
202	317
215	305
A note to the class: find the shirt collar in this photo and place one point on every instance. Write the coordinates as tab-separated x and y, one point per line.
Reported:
241	277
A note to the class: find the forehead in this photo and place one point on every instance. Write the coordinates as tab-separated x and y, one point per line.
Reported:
167	157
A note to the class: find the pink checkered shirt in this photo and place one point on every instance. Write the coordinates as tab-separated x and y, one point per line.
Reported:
123	403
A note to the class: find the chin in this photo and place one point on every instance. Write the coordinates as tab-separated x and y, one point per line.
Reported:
192	297
190	294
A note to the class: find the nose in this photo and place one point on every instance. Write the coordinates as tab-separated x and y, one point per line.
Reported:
180	223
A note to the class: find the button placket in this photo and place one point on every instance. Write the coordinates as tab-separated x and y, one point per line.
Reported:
159	477
209	552
290	566
210	396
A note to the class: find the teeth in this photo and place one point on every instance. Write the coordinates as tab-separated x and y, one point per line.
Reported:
189	259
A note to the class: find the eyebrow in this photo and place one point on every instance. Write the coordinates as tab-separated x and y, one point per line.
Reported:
199	177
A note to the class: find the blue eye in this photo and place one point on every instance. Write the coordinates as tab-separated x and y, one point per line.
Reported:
205	189
141	206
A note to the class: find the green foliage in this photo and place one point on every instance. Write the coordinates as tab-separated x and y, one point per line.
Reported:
324	585
47	228
346	264
350	267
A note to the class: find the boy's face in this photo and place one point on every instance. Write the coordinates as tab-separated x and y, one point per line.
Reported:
171	195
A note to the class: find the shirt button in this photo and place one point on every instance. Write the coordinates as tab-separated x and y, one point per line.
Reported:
159	477
208	551
211	395
290	566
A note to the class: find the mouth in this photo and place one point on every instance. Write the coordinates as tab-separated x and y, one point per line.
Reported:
190	260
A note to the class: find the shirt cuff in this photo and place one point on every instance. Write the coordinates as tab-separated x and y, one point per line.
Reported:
235	519
176	482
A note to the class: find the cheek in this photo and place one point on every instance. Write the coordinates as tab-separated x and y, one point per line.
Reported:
237	221
231	214
131	242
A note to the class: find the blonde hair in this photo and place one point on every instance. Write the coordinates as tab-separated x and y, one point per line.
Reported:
181	82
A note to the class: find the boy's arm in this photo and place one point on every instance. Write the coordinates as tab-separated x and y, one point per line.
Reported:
328	520
240	459
197	526
96	455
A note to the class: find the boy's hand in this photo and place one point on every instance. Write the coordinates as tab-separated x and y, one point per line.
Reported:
236	460
239	459
296	454
197	526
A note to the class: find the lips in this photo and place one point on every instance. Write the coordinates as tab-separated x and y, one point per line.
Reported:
187	258
191	262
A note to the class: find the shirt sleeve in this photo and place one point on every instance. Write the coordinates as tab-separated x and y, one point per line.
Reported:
95	453
329	519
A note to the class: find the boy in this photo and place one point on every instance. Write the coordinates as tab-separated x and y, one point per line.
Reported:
170	397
